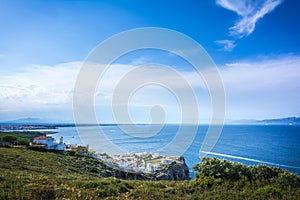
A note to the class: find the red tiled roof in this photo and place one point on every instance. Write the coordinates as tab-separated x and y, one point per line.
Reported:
38	145
42	137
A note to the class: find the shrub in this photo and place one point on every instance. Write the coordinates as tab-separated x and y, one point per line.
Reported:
11	139
234	171
216	168
37	148
46	192
23	141
91	184
206	182
267	192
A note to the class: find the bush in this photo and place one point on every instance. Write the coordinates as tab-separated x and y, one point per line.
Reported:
216	168
23	141
267	192
206	182
46	193
72	152
288	179
91	184
37	148
234	171
11	139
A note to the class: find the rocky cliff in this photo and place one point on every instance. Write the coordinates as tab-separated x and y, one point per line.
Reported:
174	171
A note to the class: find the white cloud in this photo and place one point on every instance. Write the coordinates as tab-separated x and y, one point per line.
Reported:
238	6
253	89
228	45
250	12
40	91
275	74
38	87
118	72
262	89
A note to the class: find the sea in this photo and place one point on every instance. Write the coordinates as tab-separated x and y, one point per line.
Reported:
273	145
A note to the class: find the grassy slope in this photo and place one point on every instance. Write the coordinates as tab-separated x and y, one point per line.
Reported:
27	174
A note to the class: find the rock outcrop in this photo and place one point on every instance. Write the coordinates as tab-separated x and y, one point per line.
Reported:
174	171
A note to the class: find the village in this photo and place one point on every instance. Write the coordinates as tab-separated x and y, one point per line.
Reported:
136	161
140	161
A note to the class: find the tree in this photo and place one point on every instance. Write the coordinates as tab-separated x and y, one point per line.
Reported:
23	141
10	139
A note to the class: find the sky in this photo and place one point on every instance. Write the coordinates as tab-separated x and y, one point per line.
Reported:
254	44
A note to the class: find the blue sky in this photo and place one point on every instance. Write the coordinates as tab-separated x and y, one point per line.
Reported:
255	44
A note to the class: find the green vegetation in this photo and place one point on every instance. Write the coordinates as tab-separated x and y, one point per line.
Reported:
18	138
232	180
27	174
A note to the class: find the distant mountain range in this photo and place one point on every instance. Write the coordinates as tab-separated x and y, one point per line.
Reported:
27	120
287	120
280	121
32	121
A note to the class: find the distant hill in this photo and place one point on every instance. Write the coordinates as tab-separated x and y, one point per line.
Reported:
287	120
279	121
39	121
34	121
27	121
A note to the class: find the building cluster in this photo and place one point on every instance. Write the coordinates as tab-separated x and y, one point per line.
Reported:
143	162
23	127
49	143
79	148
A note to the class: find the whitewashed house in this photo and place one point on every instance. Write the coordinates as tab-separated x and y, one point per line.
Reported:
50	143
167	161
150	167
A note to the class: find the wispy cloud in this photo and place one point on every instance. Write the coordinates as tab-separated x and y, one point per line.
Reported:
228	45
250	12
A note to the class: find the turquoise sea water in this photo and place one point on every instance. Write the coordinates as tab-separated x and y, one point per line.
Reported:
275	145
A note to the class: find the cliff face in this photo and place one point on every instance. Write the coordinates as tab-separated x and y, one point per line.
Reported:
175	171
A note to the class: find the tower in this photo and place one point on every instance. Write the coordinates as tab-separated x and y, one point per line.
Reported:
61	140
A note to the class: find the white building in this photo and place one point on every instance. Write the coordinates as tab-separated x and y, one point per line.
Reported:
50	143
150	167
166	161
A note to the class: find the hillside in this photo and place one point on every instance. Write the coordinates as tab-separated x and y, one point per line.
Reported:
27	174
